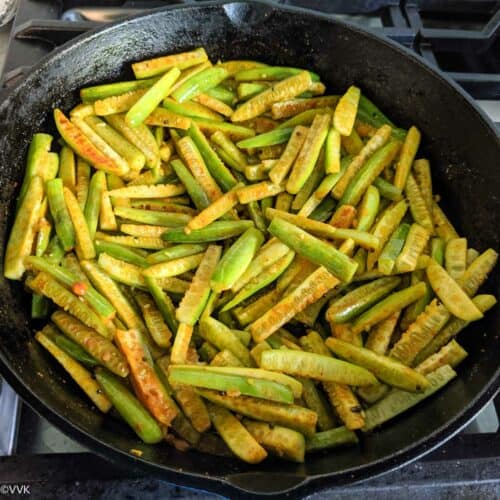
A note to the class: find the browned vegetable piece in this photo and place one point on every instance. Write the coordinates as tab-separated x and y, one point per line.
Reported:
146	383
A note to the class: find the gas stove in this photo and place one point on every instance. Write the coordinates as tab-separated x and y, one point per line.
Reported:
459	37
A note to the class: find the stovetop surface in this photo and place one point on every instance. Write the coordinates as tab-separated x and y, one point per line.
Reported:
459	37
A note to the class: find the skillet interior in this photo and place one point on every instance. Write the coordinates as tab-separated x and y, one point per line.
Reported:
462	147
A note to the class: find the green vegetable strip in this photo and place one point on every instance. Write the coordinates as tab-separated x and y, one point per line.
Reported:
332	151
195	299
159	65
383	229
210	378
320	194
332	438
313	249
150	100
456	257
121	271
82	181
77	372
174	252
270	73
380	335
140	136
195	191
387	190
120	252
223	94
386	369
71	348
278	440
267	276
443	227
316	366
36	161
55	252
23	231
360	299
163	302
422	170
375	143
294	417
366	105
282	167
315	401
408	151
411	312
68	278
96	345
46	285
269	253
222	337
67	167
247	90
451	354
309	153
218	230
475	275
173	267
324	210
113	104
190	110
111	161
362	238
207	79
437	250
392	249
398	401
39	304
284	89
368	173
133	156
368	209
451	294
276	136
309	291
128	406
420	332
107	287
388	306
236	260
89	94
452	328
236	436
171	219
93	203
418	207
238	160
236	132
63	225
216	167
190	154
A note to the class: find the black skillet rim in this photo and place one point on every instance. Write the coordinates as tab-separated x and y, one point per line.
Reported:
221	484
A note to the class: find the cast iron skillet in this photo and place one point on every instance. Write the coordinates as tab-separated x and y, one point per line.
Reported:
458	139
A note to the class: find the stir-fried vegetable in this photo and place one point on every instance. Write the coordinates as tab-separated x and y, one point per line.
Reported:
224	248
